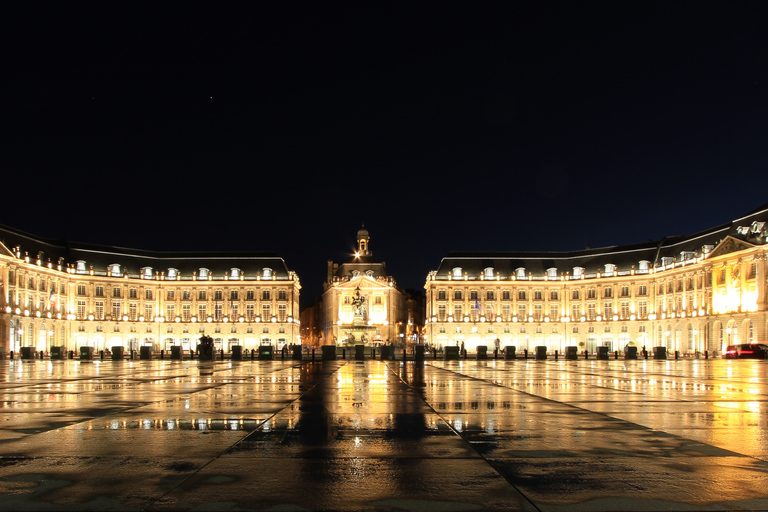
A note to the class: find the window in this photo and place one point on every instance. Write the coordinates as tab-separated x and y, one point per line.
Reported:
553	295
99	306
218	295
578	272
202	312
170	295
457	295
148	294
218	312
521	295
234	273
81	289
505	295
537	295
607	292
267	273
172	274
575	295
489	295
146	272
233	295
456	272
201	295
520	273
99	291
609	269
149	311
552	273
591	294
441	295
266	312
133	311
488	272
265	295
473	295
186	312
204	272
608	310
282	295
642	290
80	267
625	291
249	295
132	293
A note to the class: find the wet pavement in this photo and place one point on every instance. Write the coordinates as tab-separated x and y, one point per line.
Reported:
384	435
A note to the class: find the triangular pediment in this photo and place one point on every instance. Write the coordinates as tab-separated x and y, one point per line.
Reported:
362	282
729	245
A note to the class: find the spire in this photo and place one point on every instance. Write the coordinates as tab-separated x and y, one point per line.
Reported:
363	242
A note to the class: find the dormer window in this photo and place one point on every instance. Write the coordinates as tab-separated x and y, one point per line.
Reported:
578	271
146	272
667	260
643	266
80	268
706	249
266	273
687	255
520	273
172	274
234	273
552	273
114	269
456	272
610	268
204	273
488	273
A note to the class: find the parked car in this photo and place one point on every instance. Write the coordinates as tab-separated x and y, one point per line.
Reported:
747	351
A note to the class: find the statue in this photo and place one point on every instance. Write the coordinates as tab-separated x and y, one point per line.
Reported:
358	303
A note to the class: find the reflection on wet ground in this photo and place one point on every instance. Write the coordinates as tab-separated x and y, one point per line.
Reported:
374	435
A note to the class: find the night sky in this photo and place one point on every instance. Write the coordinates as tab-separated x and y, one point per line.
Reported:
285	126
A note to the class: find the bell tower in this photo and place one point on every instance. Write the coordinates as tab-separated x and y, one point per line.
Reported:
363	242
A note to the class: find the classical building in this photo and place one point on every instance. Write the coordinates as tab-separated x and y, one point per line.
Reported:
73	295
686	293
361	303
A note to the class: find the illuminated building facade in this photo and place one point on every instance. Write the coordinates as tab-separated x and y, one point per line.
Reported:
75	295
686	293
361	303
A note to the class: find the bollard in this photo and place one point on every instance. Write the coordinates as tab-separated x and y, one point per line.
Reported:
555	355
41	355
615	354
101	355
313	354
586	354
434	353
373	353
706	354
344	353
645	353
71	354
11	354
131	354
495	353
253	353
162	353
677	354
525	351
404	355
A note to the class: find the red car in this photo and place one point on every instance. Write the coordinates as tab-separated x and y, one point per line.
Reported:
747	351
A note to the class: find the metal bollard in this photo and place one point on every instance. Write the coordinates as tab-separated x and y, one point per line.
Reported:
555	355
615	354
706	354
162	354
313	354
586	354
343	353
404	355
525	352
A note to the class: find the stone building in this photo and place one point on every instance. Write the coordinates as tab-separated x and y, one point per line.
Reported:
72	295
361	304
686	293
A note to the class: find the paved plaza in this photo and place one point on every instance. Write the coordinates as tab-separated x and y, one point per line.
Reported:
384	435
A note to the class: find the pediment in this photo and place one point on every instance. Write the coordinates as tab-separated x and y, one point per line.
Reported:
362	282
729	245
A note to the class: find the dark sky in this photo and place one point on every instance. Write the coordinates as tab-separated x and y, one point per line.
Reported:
284	126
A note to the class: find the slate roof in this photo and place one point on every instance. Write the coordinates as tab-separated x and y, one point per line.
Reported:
132	260
625	257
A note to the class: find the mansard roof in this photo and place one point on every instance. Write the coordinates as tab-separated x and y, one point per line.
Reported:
65	252
750	228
